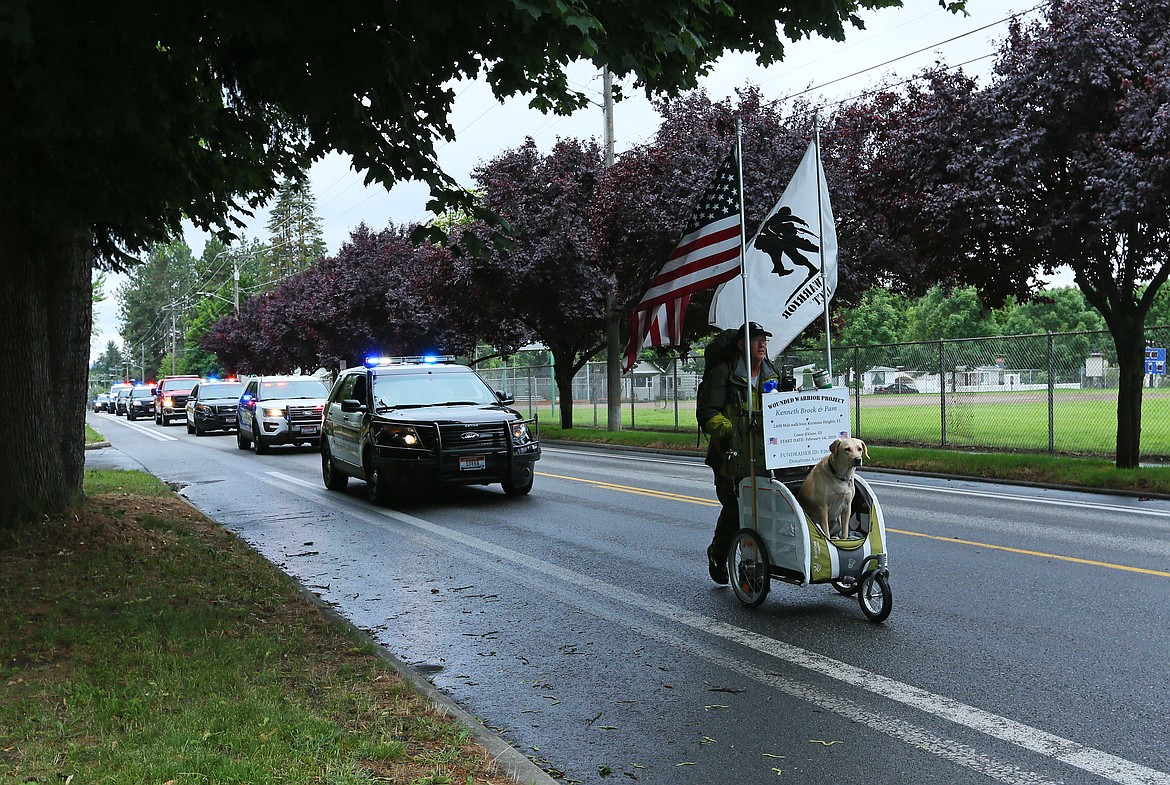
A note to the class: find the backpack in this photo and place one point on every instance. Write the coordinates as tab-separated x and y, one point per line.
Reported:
721	349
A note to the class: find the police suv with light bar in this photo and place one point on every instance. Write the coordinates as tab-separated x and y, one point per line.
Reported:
404	422
280	410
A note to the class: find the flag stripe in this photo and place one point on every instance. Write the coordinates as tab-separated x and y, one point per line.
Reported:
707	255
712	265
721	231
709	280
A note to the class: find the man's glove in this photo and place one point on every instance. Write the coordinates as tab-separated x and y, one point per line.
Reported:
718	427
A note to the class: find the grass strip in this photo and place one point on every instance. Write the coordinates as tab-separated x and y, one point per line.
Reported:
141	642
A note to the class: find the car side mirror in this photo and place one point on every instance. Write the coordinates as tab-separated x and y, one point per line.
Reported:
505	398
352	405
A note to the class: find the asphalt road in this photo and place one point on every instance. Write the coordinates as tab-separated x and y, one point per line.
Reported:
1028	643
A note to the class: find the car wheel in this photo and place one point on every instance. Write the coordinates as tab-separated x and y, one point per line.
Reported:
377	484
166	421
130	416
243	442
189	428
158	419
198	430
258	442
518	489
334	480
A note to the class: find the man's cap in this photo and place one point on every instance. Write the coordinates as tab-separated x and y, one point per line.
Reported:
755	329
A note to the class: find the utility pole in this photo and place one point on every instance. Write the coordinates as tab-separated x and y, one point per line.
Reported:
236	271
613	345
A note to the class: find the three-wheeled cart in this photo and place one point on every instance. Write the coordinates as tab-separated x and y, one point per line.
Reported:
778	541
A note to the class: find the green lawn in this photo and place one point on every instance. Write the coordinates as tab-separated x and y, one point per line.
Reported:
142	643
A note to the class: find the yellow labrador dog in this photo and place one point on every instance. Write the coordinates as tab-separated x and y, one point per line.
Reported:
827	492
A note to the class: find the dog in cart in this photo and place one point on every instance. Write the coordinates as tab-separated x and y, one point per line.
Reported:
779	540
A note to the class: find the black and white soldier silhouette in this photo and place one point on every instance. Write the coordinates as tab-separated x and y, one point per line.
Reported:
782	235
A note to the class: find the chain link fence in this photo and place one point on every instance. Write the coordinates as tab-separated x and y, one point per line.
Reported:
1053	392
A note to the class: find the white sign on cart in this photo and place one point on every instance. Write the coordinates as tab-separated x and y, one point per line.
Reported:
800	426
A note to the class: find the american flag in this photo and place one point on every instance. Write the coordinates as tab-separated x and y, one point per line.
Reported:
706	256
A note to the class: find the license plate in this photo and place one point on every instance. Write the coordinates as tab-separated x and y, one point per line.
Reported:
308	429
472	463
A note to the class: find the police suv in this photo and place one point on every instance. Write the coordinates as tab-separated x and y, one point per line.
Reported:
408	422
280	410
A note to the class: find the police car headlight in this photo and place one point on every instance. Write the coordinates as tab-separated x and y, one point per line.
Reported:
520	434
203	408
398	436
274	412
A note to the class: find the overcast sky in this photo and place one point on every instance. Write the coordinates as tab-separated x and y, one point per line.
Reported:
895	43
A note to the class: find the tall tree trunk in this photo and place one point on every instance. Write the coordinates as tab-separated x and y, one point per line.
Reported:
1129	338
46	312
563	372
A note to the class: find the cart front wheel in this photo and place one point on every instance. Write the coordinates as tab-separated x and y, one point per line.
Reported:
876	598
846	587
747	566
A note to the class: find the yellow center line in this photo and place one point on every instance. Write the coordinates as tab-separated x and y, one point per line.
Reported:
710	503
1042	554
639	491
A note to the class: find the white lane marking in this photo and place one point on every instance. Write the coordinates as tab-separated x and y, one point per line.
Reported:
1066	751
162	437
1009	497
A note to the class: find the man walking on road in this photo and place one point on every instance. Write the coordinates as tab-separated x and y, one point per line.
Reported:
722	413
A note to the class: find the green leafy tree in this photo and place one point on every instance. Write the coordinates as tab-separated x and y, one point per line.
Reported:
1063	309
206	313
1159	314
107	368
294	228
153	303
942	313
120	124
881	317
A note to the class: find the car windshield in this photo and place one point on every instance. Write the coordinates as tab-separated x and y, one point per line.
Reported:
221	391
142	392
296	388
431	389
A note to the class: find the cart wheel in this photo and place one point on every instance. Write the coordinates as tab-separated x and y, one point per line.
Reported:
747	566
848	588
875	597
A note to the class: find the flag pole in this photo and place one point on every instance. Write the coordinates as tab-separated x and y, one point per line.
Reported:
821	243
747	348
747	343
